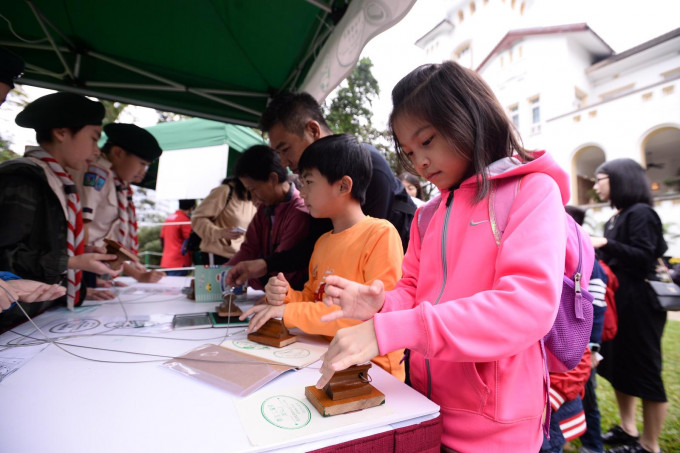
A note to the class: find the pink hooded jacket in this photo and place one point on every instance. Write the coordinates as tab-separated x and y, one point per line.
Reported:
472	313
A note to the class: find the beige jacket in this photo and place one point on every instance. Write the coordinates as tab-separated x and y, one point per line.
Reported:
214	214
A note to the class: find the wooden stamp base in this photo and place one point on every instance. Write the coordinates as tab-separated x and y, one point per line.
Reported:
328	407
272	341
226	309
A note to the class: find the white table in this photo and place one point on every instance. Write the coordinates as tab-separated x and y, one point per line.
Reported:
57	402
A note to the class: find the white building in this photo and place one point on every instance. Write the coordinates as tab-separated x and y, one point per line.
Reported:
568	92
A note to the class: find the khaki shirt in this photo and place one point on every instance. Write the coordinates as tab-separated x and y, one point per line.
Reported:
98	198
214	214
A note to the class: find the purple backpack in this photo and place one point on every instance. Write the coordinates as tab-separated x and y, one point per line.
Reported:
568	338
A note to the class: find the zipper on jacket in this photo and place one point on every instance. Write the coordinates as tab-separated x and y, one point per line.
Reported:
449	201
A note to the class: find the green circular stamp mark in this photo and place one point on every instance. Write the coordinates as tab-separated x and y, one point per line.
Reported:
293	353
250	345
286	412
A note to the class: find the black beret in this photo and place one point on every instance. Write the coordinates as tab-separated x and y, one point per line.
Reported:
134	140
11	67
61	109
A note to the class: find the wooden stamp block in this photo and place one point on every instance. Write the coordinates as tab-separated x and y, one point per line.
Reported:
273	333
123	254
348	390
228	307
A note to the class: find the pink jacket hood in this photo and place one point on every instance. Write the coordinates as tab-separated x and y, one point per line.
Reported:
472	312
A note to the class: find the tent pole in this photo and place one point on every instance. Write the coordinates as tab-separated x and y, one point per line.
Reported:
320	5
49	36
222	101
137	70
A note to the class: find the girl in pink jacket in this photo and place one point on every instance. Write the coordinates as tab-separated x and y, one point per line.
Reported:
470	311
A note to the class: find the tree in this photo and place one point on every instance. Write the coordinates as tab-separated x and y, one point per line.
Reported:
350	112
167	117
113	110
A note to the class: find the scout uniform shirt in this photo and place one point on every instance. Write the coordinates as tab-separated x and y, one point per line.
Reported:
99	201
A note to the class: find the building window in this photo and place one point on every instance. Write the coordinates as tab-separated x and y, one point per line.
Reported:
668	90
579	98
460	16
647	96
463	55
535	115
577	118
592	113
514	115
521	9
472	7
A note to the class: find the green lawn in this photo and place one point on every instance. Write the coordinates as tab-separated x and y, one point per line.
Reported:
670	436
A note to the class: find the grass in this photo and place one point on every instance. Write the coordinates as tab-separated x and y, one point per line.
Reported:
670	435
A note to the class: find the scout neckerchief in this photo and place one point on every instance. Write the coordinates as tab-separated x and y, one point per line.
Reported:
74	236
127	215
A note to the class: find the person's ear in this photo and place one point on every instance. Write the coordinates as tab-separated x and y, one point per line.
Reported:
313	128
59	134
346	184
117	152
273	179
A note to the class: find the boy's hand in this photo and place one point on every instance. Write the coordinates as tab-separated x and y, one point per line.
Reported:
276	289
261	314
598	241
355	300
28	291
92	262
245	270
351	346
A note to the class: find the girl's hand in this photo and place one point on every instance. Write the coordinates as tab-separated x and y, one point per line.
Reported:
92	262
229	234
262	314
151	276
276	289
351	346
99	294
355	300
598	241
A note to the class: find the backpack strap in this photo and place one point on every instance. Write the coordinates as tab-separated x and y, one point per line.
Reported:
425	215
501	197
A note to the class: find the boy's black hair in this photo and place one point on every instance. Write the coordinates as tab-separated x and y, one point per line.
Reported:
576	213
258	162
460	105
628	183
335	156
187	204
293	111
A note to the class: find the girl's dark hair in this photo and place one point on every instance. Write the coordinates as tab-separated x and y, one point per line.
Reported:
258	162
239	189
459	105
45	135
413	179
628	183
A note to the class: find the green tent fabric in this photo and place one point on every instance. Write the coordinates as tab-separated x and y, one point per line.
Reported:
199	133
215	59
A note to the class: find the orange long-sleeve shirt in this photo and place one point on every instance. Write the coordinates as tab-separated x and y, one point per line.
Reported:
369	250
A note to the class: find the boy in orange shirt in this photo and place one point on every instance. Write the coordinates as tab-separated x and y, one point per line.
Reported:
335	172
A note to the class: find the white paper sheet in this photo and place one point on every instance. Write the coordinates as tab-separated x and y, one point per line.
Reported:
272	416
298	354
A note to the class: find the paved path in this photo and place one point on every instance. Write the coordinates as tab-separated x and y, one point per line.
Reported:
674	315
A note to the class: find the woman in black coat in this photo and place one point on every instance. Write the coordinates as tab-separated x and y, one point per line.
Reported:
632	242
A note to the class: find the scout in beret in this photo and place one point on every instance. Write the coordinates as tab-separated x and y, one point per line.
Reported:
41	222
105	186
11	67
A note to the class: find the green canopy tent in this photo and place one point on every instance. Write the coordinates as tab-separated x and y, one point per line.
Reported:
216	59
181	174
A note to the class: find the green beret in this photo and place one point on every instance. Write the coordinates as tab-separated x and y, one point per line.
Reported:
11	67
134	140
61	109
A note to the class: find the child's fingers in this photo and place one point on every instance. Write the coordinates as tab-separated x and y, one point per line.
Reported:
281	277
251	310
332	316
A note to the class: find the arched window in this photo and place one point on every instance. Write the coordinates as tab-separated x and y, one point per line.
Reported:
584	163
661	158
